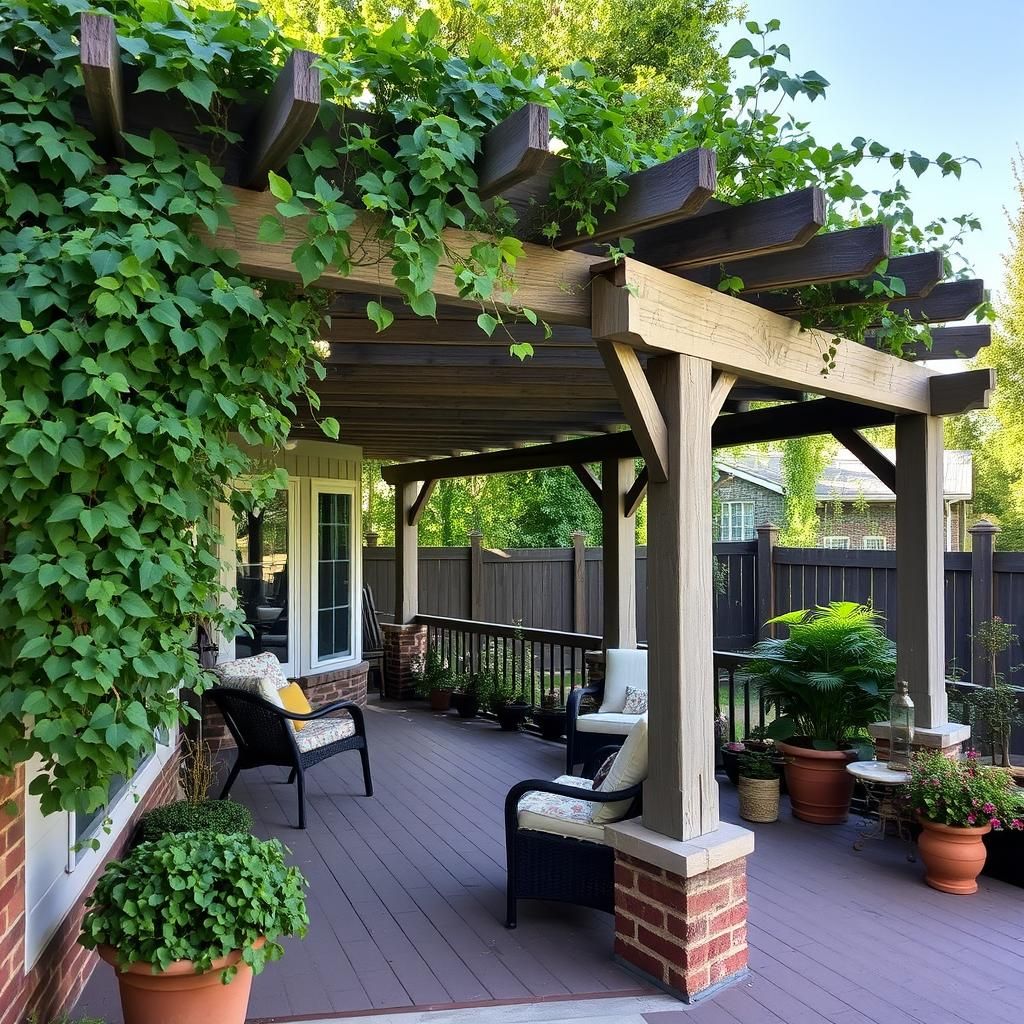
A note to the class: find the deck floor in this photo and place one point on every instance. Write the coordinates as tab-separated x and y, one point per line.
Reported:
407	900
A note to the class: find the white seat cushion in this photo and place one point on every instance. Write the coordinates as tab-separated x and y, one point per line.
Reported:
612	723
622	667
265	664
561	815
323	731
628	768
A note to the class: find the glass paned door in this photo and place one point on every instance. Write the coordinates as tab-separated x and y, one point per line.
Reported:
334	575
262	580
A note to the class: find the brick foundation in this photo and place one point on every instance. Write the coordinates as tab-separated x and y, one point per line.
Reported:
405	651
60	973
684	934
948	740
321	688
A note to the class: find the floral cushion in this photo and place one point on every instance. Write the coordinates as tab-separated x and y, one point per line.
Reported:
259	665
561	815
323	731
259	686
636	701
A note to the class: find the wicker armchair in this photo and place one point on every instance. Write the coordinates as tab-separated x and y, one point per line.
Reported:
264	735
548	866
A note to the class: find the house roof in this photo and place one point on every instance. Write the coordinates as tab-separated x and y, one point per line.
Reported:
846	477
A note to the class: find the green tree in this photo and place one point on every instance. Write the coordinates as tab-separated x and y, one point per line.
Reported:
803	461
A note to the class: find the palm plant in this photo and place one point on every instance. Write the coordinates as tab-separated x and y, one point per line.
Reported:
830	677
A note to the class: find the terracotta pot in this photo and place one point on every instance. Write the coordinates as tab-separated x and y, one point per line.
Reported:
179	995
820	787
953	856
440	700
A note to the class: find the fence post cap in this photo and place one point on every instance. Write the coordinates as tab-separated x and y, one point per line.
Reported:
476	535
984	526
579	533
767	528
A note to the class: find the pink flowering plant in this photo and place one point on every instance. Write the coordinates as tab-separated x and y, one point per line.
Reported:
964	793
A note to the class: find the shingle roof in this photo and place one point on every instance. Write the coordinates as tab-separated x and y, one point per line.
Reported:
847	478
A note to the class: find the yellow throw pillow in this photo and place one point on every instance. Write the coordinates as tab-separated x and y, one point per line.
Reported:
294	700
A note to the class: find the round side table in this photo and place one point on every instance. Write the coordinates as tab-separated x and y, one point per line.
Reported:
885	788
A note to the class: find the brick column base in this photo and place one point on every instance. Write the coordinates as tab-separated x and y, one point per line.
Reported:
405	652
684	931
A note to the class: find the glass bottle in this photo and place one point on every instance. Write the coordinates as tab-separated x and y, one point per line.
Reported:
901	728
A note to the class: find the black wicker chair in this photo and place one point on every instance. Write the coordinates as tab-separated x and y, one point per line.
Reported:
264	736
545	866
580	747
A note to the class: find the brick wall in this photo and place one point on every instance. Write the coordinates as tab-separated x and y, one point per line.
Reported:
769	506
323	688
405	651
64	967
846	519
685	934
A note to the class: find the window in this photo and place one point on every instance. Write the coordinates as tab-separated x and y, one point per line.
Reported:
874	544
736	521
842	543
333	561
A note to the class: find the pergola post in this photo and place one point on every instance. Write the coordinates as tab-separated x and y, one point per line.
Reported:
618	554
405	641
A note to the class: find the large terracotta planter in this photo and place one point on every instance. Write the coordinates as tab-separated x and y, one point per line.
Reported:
953	856
179	995
440	700
820	787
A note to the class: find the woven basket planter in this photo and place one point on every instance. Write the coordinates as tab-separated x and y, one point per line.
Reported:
759	799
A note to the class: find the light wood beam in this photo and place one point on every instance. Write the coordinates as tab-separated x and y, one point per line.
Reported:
681	794
721	385
638	404
101	75
860	447
590	483
417	507
619	555
657	311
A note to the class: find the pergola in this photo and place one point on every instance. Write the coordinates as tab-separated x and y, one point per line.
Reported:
647	359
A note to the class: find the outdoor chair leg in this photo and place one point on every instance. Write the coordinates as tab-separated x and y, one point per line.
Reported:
364	755
291	777
236	768
511	914
302	798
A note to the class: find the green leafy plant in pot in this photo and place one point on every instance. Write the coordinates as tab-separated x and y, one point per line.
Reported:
826	681
550	716
758	787
504	696
187	920
435	681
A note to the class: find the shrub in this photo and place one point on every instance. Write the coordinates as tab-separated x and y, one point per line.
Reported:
964	793
221	816
755	765
198	897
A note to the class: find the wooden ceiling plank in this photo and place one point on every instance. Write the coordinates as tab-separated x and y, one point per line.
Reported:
104	87
422	331
870	457
661	194
513	151
836	256
735	232
289	112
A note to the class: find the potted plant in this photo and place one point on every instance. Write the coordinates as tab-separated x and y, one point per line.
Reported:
225	817
759	787
827	680
957	803
757	743
466	695
1005	847
550	716
187	920
997	706
505	698
435	681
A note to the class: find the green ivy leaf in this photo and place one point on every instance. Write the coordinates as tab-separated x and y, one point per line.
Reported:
271	230
330	426
279	187
486	323
380	315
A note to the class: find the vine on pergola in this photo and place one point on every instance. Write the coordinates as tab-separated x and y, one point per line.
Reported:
131	353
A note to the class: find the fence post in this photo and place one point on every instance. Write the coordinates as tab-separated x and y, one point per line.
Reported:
764	570
983	537
476	575
579	578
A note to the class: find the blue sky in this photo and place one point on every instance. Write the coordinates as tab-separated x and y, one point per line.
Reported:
929	76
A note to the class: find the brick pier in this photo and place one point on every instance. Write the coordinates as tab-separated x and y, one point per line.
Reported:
405	652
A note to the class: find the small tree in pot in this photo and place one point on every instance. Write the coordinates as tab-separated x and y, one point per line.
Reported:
188	919
758	787
550	716
826	681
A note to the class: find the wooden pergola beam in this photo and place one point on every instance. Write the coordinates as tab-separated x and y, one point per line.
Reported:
954	393
861	448
735	232
384	354
104	87
949	343
591	484
513	151
288	114
636	493
661	194
451	333
953	301
797	419
657	311
836	256
420	503
721	386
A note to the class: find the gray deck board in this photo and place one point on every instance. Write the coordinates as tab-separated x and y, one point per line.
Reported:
407	898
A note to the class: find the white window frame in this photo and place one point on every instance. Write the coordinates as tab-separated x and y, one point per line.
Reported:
318	486
830	544
882	546
725	517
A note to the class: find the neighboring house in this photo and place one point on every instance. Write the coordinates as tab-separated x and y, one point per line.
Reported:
855	509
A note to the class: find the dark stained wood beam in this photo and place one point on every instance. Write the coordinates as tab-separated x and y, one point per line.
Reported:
544	400
336	405
953	301
421	331
661	194
836	256
104	88
951	343
591	484
735	232
513	151
797	419
515	460
636	493
954	393
860	447
288	114
417	507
